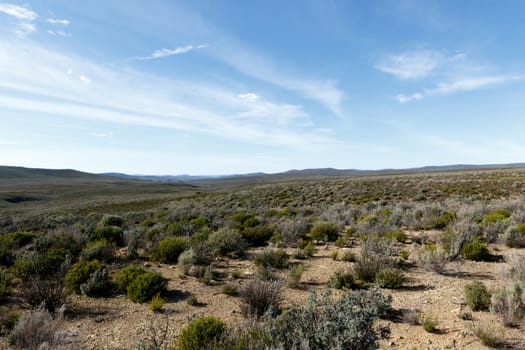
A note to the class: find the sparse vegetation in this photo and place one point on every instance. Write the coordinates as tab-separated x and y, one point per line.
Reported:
477	296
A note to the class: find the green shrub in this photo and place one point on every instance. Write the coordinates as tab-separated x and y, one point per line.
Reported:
17	239
200	222
342	279
310	249
169	249
429	323
348	256
489	334
476	251
156	303
113	234
324	231
294	275
231	289
145	286
477	296
276	258
201	333
28	265
258	235
111	220
444	220
509	303
367	267
390	278
496	215
101	250
228	243
127	275
79	273
5	283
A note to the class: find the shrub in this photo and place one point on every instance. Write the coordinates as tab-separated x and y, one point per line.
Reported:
276	258
476	251
310	250
508	302
5	283
98	284
186	260
28	264
8	322
514	236
431	258
477	296
367	267
259	296
201	333
144	286
169	249
111	220
37	327
496	215
334	255
227	243
49	293
100	250
327	323
324	231
294	275
348	256
127	275
156	303
390	278
231	289
192	300
489	335
342	279
79	273
113	234
429	323
257	235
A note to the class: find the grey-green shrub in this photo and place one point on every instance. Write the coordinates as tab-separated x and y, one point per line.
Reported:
324	231
259	296
276	258
390	278
514	236
477	296
327	322
227	242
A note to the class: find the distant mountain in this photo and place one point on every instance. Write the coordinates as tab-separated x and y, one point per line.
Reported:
164	178
21	173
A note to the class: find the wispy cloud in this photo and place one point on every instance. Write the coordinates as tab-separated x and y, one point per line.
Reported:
19	12
161	53
411	65
49	86
23	29
460	85
58	33
64	22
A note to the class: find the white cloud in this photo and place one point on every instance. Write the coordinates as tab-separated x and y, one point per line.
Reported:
85	79
18	11
411	65
459	85
23	29
64	22
58	33
160	53
47	86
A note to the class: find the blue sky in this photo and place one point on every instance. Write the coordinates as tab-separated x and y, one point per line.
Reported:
222	87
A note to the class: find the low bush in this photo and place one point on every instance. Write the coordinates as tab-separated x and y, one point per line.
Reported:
186	261
79	273
169	249
476	251
28	265
144	286
276	258
5	283
508	302
342	279
49	293
231	289
367	267
8	321
38	327
98	284
390	278
429	323
228	243
477	296
113	234
111	220
127	275
514	236
294	275
489	334
496	215
310	249
324	232
327	322
101	250
431	258
259	296
201	333
156	303
258	235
